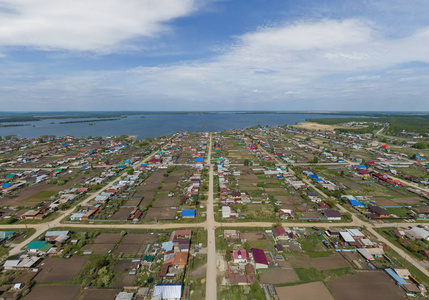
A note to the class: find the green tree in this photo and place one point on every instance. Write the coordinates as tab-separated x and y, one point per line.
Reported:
414	248
420	145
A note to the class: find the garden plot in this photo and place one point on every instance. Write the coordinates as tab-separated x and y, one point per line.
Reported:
172	179
133	203
372	285
125	265
63	292
156	178
408	200
99	294
167	187
122	214
166	202
278	276
154	214
275	190
330	262
385	202
313	290
295	200
300	260
60	269
107	238
121	280
98	248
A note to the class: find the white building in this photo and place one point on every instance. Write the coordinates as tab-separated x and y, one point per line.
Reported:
226	212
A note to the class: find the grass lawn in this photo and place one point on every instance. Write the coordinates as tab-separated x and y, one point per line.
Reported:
337	272
199	260
200	236
262	244
42	195
400	212
198	290
309	274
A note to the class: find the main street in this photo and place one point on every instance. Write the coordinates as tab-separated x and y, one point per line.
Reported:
211	283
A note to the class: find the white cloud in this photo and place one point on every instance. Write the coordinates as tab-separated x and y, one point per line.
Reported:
319	65
85	25
363	78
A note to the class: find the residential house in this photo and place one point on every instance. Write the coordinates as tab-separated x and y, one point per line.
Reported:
280	233
240	256
332	215
260	259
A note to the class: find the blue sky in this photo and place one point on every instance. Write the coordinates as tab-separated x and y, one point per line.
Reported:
214	55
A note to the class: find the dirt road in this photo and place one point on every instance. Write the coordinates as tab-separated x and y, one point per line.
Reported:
211	284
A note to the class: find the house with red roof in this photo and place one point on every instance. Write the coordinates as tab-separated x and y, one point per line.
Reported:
240	256
280	233
260	259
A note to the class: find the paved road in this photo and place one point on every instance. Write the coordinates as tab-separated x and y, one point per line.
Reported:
211	284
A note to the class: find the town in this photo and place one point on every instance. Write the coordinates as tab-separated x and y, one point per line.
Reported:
300	211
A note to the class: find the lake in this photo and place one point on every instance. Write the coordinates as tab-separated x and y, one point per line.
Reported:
153	125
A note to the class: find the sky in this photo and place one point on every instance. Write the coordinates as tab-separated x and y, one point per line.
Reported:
214	55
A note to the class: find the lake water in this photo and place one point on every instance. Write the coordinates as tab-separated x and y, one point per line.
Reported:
156	125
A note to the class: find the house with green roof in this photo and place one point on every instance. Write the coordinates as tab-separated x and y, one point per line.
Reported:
35	246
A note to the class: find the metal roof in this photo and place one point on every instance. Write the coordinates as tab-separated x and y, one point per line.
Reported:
355	232
347	237
36	244
189	212
259	256
56	233
395	277
167	291
365	254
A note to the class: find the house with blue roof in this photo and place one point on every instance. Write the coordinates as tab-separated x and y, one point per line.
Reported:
188	213
199	160
355	203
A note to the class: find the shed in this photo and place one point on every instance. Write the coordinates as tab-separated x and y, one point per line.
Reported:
399	281
168	291
226	212
347	237
365	254
355	203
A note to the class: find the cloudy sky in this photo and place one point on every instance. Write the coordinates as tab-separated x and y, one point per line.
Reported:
187	55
